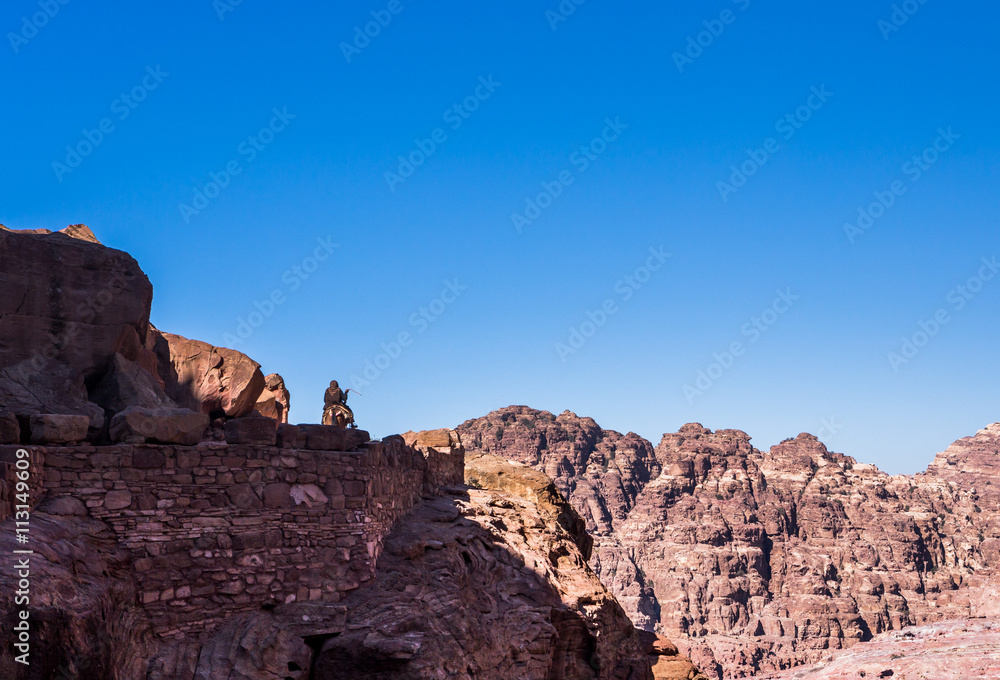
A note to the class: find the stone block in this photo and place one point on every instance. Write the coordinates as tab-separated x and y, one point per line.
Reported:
188	459
291	436
277	496
309	494
117	499
243	496
64	505
164	425
148	459
50	428
356	438
324	437
10	430
253	430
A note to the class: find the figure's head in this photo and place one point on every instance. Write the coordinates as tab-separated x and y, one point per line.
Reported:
334	385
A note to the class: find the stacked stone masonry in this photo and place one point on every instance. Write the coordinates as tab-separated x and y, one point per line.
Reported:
217	529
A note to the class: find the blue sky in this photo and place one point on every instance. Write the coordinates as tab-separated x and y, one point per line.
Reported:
295	141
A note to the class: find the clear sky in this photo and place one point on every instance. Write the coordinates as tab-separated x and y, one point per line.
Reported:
481	176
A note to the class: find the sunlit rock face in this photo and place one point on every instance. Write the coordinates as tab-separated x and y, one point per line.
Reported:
754	560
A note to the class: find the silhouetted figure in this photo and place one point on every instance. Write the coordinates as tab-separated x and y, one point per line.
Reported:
335	409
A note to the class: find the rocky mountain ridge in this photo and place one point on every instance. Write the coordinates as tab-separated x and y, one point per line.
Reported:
758	561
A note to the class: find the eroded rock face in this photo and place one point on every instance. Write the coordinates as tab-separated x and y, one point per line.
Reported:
125	384
759	561
486	585
204	378
274	401
69	298
45	386
84	620
963	648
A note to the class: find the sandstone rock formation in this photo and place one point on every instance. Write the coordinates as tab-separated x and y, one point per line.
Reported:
84	619
486	583
125	384
274	401
962	649
47	386
138	425
758	561
74	318
204	378
67	297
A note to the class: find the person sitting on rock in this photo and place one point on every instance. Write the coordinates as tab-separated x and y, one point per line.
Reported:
335	409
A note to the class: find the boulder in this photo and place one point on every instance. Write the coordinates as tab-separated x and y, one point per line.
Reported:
51	428
443	437
252	430
69	298
205	378
10	431
69	506
275	400
136	425
127	384
39	385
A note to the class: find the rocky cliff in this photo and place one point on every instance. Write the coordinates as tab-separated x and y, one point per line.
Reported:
757	560
180	529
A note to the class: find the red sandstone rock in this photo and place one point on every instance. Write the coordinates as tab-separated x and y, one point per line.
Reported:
252	430
85	622
755	560
164	425
275	400
70	298
488	585
230	575
47	386
57	429
10	430
291	436
204	378
962	649
127	384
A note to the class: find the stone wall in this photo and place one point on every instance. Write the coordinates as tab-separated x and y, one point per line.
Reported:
9	478
217	529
